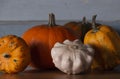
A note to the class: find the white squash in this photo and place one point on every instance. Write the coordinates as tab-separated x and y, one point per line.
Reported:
72	57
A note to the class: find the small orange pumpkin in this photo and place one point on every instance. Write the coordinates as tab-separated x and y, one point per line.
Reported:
81	27
14	54
41	39
106	42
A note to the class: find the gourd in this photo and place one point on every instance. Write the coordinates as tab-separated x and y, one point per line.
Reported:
41	39
14	54
72	57
106	42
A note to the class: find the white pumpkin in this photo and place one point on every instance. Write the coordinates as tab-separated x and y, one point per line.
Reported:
72	57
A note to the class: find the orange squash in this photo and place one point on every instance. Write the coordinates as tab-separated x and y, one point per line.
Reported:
41	38
106	42
14	54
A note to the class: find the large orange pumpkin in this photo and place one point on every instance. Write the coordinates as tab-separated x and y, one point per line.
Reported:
106	42
41	38
14	54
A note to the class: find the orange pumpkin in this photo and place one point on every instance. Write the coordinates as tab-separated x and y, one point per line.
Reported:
14	54
106	42
80	27
41	38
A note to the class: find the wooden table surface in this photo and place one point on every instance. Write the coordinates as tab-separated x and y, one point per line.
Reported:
56	74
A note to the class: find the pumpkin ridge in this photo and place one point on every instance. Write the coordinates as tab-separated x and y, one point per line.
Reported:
99	55
105	47
110	39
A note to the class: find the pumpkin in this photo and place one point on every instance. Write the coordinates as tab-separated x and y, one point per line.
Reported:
80	27
72	57
106	43
14	54
41	39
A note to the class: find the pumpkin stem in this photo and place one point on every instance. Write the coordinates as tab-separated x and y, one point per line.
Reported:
51	20
6	55
84	20
95	29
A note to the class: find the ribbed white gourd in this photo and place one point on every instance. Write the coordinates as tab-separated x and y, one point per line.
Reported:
72	57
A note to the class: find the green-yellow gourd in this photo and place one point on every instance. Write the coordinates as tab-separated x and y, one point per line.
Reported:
106	42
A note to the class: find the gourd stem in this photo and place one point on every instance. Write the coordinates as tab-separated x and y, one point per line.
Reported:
95	29
84	20
51	20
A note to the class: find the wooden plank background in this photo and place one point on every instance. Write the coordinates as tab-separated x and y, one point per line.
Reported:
63	9
19	27
18	15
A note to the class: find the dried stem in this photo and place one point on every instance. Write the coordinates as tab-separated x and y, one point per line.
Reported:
51	20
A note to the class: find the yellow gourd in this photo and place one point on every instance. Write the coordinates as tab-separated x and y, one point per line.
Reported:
14	54
106	43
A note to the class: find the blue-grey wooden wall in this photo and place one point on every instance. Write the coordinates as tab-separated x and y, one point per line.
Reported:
64	9
12	12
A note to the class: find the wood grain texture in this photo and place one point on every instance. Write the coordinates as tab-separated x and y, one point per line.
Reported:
56	74
19	27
